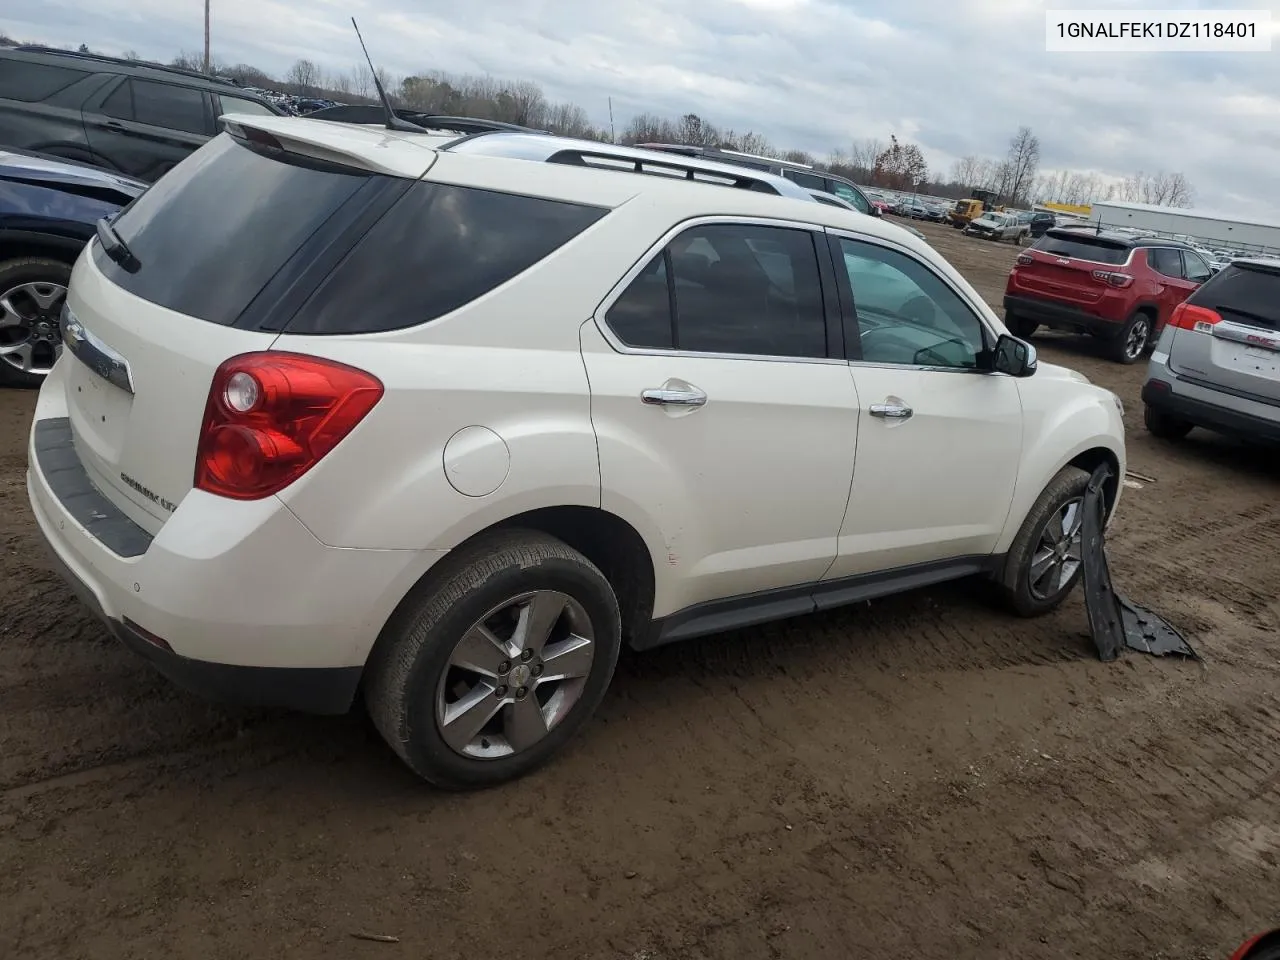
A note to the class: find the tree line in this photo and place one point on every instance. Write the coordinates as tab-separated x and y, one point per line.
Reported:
1015	178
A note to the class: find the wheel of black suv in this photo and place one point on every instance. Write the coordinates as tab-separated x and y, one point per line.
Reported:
1132	341
1021	327
32	291
495	662
1163	426
1044	562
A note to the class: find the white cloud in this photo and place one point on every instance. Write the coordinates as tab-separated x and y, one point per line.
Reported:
957	76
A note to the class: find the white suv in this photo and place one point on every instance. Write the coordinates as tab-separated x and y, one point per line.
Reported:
446	421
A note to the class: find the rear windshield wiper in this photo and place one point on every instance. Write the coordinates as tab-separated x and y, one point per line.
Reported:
115	248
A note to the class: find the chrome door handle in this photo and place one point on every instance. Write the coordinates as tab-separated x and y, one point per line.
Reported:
665	397
891	411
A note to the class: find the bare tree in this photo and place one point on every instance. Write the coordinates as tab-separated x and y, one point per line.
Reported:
305	76
864	153
131	55
1022	161
967	171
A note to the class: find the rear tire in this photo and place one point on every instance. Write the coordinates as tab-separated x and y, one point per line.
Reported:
421	661
1022	594
1133	340
1163	426
1021	327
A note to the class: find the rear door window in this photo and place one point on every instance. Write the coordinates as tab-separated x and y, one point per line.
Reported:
170	106
440	247
1084	247
1247	295
1165	261
211	233
33	82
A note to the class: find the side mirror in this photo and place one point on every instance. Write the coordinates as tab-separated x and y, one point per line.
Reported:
1015	357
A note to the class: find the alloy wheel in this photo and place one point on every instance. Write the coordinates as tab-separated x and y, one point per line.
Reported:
515	675
30	326
1136	341
1058	552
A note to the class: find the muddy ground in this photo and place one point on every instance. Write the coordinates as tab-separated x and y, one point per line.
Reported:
920	777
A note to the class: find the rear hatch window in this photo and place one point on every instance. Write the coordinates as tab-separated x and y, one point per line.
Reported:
1084	247
211	233
1245	294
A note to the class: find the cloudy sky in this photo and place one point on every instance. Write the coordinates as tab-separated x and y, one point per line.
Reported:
955	76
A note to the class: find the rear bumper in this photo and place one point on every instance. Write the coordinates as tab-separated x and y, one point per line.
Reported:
1060	316
1203	407
318	690
234	600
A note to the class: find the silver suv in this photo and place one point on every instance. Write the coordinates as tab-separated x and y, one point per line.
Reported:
1217	363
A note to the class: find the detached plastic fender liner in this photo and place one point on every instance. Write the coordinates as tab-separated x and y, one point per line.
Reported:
1114	621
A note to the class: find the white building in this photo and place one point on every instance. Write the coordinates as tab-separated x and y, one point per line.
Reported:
1208	228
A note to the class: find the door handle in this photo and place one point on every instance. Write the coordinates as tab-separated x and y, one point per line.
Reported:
891	411
113	125
668	397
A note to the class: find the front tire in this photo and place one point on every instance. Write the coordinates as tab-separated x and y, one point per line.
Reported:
495	662
1045	561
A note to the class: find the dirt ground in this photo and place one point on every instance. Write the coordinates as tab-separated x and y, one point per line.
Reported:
918	777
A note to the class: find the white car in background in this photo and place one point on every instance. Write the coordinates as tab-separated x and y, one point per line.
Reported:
444	421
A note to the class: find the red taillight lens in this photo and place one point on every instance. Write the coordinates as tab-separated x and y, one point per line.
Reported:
1113	279
271	417
1188	317
1026	258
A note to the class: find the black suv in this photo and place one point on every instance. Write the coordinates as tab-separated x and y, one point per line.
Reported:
134	118
800	173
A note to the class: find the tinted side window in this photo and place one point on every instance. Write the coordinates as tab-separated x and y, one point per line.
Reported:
120	103
1197	269
31	82
168	105
1166	261
906	313
641	317
437	249
807	180
747	289
241	105
846	192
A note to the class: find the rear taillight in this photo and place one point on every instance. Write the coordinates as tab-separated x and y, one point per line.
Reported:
271	417
1189	317
1026	258
1113	279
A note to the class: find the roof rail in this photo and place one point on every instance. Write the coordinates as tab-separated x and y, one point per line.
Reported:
624	159
104	58
657	167
373	113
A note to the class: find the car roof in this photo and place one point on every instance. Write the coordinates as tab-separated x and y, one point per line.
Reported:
30	167
101	63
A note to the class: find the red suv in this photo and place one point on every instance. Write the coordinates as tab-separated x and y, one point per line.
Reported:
1118	287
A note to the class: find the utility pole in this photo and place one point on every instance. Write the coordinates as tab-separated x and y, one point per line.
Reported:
206	36
613	137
